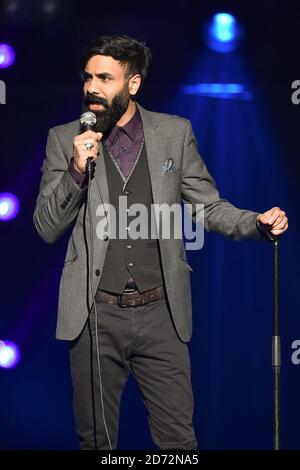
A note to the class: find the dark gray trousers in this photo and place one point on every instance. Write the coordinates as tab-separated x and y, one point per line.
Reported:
143	341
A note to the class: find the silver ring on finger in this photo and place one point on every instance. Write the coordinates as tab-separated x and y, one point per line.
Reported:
89	146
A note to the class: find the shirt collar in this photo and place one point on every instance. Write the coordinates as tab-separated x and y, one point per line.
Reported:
130	128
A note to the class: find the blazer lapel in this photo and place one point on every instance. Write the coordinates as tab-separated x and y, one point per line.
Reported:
99	188
153	152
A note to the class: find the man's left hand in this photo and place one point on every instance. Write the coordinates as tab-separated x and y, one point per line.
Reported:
274	220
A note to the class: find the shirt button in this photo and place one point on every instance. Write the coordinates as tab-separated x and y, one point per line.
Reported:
130	264
127	228
97	272
127	210
127	192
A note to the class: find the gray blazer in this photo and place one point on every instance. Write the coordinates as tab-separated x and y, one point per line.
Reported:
60	204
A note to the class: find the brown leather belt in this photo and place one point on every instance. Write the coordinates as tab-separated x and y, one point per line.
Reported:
130	299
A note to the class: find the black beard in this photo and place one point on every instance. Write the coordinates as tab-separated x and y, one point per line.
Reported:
112	113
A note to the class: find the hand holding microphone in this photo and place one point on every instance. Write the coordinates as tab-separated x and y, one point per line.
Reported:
86	144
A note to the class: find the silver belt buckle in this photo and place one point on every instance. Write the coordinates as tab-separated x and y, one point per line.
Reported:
129	290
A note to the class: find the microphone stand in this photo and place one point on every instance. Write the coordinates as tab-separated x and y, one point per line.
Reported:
90	165
276	351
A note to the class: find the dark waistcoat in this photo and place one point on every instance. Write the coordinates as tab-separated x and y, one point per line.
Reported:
139	258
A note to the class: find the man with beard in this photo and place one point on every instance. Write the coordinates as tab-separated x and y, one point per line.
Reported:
125	304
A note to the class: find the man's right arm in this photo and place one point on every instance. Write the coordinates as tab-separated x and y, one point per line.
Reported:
60	197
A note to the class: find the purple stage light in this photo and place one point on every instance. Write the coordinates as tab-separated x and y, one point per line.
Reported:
7	56
9	206
9	354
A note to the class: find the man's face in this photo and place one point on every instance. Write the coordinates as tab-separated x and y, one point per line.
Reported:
106	91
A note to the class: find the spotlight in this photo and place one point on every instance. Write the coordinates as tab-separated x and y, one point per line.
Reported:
223	33
7	56
224	27
9	354
49	8
9	206
226	91
16	11
12	6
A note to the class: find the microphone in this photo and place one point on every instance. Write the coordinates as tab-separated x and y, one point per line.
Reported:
87	122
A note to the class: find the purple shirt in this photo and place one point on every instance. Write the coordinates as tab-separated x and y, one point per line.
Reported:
124	144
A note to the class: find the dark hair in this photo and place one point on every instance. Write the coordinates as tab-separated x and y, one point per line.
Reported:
128	51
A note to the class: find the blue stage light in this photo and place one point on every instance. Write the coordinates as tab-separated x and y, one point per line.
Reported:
9	206
224	27
223	32
7	56
226	91
9	354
